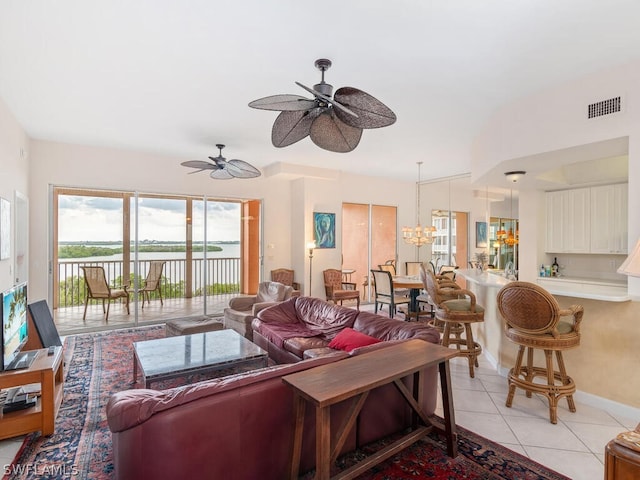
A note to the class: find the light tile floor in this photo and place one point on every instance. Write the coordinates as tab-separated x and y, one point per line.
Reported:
574	446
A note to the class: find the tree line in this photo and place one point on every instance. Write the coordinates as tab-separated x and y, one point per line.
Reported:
82	251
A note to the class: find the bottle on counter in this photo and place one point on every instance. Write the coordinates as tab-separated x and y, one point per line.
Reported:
542	270
555	268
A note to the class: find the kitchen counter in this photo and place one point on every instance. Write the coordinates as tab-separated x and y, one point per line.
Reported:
486	278
594	289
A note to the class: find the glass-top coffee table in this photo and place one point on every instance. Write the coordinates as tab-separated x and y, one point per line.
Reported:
173	357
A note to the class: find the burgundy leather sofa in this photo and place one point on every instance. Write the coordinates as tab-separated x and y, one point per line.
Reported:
303	327
241	426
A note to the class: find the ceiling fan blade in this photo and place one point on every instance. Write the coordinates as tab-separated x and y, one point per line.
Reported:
283	103
327	99
199	165
291	127
221	174
242	169
371	112
330	133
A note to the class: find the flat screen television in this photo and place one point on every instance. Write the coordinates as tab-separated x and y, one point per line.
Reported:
15	328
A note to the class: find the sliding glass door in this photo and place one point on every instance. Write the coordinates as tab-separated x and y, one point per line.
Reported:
207	250
368	240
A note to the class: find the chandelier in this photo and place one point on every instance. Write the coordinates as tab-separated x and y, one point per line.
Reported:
417	235
512	239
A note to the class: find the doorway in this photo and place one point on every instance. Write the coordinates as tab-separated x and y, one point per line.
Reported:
368	240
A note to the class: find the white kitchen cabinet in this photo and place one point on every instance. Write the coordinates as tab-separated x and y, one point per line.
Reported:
587	220
609	219
555	217
568	221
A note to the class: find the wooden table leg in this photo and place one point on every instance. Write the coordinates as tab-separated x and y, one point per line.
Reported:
47	402
447	404
298	413
323	443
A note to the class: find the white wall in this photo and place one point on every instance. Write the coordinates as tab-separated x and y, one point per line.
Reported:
289	201
14	165
556	119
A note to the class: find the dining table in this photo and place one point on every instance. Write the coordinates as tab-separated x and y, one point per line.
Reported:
414	284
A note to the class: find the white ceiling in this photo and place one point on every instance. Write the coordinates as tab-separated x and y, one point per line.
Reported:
175	77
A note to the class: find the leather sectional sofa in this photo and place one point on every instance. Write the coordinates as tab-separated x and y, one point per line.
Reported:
303	327
241	426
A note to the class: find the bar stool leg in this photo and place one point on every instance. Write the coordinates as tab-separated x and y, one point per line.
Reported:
514	373
565	379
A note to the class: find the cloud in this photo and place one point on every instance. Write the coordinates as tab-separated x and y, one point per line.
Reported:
83	218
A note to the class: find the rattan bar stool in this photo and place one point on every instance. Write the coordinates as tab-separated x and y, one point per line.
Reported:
456	311
532	321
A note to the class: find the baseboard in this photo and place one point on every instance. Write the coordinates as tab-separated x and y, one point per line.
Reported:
613	408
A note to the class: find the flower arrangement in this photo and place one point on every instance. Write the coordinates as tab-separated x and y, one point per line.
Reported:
482	259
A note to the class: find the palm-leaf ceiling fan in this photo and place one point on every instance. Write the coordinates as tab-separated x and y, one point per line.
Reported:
223	169
334	124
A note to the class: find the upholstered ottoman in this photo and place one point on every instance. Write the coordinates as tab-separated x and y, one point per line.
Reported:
190	325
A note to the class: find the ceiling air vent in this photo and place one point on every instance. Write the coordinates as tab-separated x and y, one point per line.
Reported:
605	107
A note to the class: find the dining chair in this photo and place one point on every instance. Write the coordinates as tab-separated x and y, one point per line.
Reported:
388	267
336	290
385	293
534	320
153	282
97	288
412	269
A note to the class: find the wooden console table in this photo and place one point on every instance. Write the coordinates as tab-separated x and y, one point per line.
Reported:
48	371
354	378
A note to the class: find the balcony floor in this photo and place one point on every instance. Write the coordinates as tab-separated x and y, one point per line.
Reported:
69	321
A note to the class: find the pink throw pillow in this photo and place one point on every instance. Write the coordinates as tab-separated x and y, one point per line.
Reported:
349	339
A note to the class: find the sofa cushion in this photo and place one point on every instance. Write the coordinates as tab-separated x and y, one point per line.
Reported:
349	339
278	333
272	292
324	317
298	345
387	329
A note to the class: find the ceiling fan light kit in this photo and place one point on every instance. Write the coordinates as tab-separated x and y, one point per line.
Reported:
223	169
333	124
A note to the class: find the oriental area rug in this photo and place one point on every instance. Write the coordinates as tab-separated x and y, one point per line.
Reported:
100	364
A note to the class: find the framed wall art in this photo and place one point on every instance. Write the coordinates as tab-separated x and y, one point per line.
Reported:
481	234
324	229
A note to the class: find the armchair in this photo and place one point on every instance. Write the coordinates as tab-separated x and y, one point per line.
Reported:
337	290
243	309
285	276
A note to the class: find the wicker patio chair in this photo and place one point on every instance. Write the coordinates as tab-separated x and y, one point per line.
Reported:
153	282
97	288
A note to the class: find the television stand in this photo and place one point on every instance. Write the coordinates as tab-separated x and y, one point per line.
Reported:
48	371
22	360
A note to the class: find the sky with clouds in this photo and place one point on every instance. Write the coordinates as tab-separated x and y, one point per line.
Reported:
83	218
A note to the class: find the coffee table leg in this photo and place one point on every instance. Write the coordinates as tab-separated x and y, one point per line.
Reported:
447	404
135	367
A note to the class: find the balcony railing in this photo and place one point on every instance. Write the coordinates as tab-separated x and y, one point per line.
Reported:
222	276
